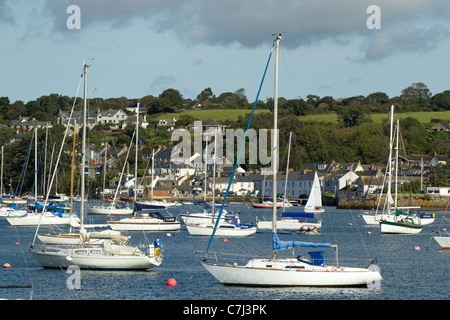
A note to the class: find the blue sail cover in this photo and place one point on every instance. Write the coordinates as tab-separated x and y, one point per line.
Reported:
298	215
12	204
279	244
49	207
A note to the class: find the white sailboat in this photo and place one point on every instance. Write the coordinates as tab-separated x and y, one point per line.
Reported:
110	253
148	221
292	221
314	203
443	240
289	271
397	221
228	226
8	205
113	208
45	217
388	213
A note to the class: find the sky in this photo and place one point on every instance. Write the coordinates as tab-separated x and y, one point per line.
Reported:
137	48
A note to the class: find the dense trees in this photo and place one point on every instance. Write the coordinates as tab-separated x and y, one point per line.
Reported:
354	138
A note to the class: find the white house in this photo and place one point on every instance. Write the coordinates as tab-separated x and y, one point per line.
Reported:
111	116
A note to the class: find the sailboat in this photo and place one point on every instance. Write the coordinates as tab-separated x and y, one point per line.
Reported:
114	208
314	203
45	217
291	271
229	226
443	240
294	221
148	220
397	221
8	204
388	212
111	253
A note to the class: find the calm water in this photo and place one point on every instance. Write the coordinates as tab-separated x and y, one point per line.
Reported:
408	274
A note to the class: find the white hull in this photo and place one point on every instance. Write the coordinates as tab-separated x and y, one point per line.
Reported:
314	210
399	228
144	224
111	257
373	219
203	217
290	272
111	210
444	242
288	224
32	219
74	238
8	212
222	231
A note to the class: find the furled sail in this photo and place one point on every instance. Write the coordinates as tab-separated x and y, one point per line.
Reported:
279	244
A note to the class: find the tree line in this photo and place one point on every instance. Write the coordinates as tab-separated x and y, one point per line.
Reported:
354	139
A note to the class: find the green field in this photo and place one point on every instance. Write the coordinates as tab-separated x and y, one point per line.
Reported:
219	114
423	117
233	114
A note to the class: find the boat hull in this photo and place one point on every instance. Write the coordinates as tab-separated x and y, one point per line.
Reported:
262	275
11	213
63	258
74	238
289	224
444	242
45	220
144	224
207	230
110	211
392	227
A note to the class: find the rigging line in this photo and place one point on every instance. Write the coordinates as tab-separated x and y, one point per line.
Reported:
376	161
240	151
57	162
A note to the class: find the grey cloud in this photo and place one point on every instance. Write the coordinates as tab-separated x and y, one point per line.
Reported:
6	14
250	23
402	39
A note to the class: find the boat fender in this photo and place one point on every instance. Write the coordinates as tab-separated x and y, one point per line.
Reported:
68	258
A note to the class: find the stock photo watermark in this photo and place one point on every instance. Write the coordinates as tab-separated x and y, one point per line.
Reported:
190	148
374	20
74	280
74	20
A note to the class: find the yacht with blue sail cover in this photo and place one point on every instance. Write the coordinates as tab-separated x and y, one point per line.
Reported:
292	271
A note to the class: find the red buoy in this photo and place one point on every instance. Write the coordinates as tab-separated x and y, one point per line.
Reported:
171	282
7	266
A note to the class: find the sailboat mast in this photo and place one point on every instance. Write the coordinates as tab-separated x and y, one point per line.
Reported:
136	161
396	166
83	144
35	169
153	169
388	193
275	141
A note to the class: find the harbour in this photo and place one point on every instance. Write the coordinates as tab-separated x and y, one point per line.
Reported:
408	273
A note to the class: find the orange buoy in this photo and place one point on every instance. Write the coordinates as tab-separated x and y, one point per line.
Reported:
17	243
6	266
225	240
171	282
